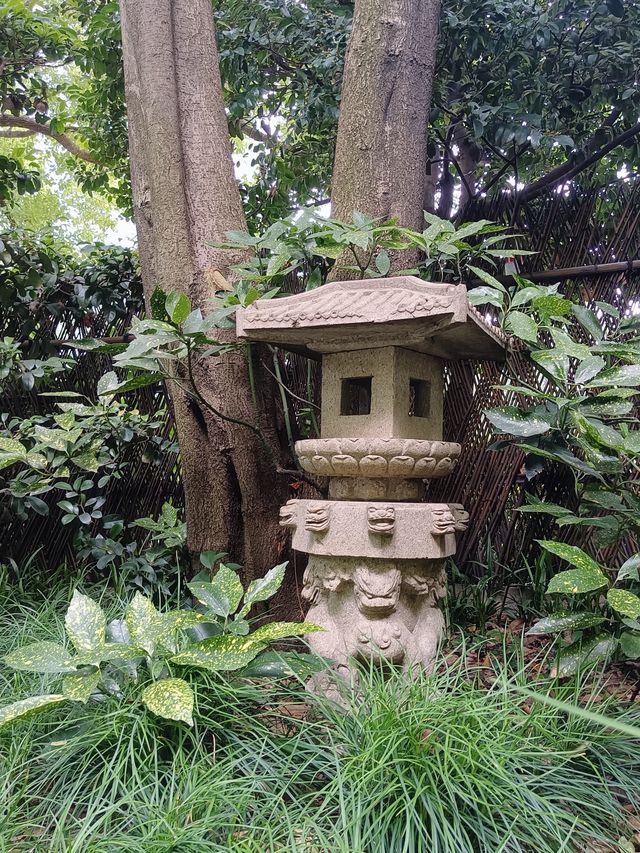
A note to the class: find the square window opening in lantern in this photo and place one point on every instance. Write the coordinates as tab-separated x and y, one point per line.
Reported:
355	397
419	398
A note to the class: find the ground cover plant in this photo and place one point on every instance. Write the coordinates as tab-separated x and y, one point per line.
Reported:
100	658
464	760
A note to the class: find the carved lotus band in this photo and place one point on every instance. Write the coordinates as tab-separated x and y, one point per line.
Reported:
378	457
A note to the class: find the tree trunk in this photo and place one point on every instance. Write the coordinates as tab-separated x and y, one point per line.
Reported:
185	195
381	150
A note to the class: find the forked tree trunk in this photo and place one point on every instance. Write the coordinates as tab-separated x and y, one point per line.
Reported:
185	195
381	152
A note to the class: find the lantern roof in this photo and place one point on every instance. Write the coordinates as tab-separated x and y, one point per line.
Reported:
403	311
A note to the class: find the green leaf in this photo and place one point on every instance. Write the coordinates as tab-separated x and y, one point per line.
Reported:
143	622
627	375
383	263
616	7
564	345
581	652
263	588
149	377
576	581
218	654
485	296
561	621
170	698
526	294
27	707
589	368
210	558
10	445
78	688
555	363
487	278
522	326
178	307
58	439
85	624
220	595
625	602
43	656
87	461
630	645
588	321
551	306
629	569
181	619
572	554
536	505
511	420
279	630
107	383
284	665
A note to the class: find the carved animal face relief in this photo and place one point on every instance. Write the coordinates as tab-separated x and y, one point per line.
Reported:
376	592
381	640
381	520
443	521
288	515
317	518
461	516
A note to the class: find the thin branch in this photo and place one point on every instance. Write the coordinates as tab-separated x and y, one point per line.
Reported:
569	169
30	124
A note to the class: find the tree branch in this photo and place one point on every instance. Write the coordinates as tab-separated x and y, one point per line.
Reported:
569	169
31	125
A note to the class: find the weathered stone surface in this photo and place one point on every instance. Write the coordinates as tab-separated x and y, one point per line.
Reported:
402	531
350	315
380	610
376	565
392	373
377	457
375	489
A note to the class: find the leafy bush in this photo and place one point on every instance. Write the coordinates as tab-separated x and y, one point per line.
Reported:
595	636
61	453
103	657
579	414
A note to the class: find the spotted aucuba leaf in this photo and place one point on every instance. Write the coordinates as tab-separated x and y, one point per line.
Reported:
171	698
79	688
624	602
220	595
280	630
577	581
555	623
582	652
573	555
27	707
41	657
176	619
218	654
144	623
263	588
85	624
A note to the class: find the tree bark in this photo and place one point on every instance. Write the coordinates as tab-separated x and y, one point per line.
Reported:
185	195
381	149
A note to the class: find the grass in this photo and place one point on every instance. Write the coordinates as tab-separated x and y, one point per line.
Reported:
442	764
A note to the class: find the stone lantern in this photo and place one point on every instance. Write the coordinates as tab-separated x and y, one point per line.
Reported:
377	553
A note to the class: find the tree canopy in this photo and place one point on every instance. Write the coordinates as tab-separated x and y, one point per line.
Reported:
521	88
